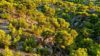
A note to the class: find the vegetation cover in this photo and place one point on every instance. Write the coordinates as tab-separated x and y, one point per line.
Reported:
49	28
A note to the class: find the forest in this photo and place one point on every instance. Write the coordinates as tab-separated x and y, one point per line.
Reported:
49	27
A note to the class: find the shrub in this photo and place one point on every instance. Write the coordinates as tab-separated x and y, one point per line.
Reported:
80	52
5	39
64	38
8	52
98	53
5	16
23	23
29	44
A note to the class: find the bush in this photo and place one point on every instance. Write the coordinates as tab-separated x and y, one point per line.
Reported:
8	52
64	38
29	44
5	16
80	52
5	39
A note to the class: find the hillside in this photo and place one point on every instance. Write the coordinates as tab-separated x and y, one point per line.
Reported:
49	28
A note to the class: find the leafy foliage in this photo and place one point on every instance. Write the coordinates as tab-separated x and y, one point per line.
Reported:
50	27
